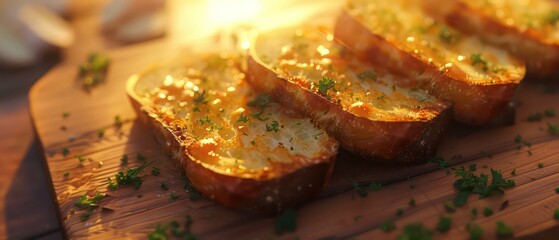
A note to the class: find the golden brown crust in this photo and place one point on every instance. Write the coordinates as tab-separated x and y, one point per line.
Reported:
540	54
474	103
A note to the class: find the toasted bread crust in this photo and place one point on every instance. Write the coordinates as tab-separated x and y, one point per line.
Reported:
296	182
540	54
474	103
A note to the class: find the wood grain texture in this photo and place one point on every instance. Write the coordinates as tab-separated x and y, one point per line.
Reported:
124	214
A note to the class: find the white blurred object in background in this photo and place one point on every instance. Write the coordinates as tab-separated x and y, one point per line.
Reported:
28	28
134	20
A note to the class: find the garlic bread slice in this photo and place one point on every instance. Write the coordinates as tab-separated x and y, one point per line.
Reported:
528	28
359	104
478	79
241	149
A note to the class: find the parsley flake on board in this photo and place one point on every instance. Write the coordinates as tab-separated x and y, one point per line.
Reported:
534	117
552	129
124	159
447	36
416	231
487	211
160	232
549	112
470	183
130	177
65	152
91	202
155	171
476	232
444	224
556	214
503	231
164	186
84	216
286	221
388	226
412	202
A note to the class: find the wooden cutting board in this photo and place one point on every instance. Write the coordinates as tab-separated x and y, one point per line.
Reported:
338	213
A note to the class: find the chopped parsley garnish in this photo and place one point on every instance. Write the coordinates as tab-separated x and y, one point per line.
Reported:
117	122
478	59
124	159
504	231
553	17
155	171
101	133
557	190
205	119
260	102
164	186
140	157
556	214
549	112
66	174
325	84
200	97
388	226
362	189
442	163
444	224
91	202
258	115
274	126
65	114
461	198
513	172
139	196
160	232
357	218
474	212
65	152
450	207
174	196
540	165
416	231
470	183
534	117
286	221
487	211
476	232
193	193
472	167
447	36
399	211
130	177
196	109
552	129
242	118
80	158
412	202
94	70
368	75
84	216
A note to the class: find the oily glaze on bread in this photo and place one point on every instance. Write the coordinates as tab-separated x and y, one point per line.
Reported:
478	79
236	147
529	29
358	104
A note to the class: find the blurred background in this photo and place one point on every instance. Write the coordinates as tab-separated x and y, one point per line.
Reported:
38	35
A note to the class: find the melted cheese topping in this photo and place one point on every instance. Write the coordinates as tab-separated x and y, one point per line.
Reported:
209	100
403	23
541	16
315	62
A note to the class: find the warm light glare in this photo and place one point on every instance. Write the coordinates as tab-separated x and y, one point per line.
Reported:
232	11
